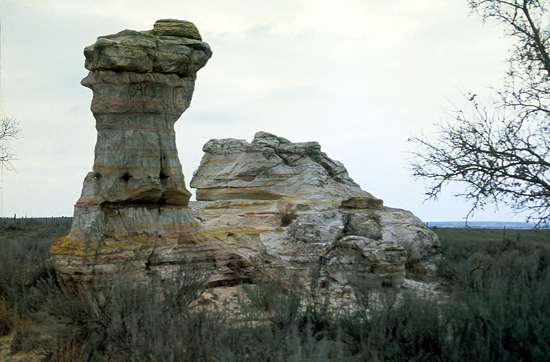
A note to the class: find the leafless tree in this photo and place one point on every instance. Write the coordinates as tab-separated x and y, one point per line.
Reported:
9	128
501	151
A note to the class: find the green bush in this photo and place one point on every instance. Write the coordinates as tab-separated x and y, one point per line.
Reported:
133	322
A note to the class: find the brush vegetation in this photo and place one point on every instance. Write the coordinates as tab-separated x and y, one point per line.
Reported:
491	305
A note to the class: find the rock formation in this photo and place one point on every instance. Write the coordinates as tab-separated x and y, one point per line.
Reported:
133	210
309	212
273	168
262	207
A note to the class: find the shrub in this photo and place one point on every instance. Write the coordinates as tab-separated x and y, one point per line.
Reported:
26	338
7	317
135	322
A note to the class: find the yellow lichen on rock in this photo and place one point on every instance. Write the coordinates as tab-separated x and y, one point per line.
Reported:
217	232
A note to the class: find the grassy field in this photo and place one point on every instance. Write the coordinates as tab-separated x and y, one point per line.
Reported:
34	228
493	235
493	305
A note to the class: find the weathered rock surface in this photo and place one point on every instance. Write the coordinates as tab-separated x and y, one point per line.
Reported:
308	211
172	47
273	168
361	260
269	207
133	212
142	83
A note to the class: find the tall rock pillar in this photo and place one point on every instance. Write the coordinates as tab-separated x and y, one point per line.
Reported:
142	82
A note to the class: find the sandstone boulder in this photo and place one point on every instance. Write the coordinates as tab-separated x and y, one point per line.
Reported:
310	214
363	262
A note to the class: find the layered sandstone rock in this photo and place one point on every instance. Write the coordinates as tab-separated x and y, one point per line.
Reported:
264	208
142	82
309	212
133	212
273	168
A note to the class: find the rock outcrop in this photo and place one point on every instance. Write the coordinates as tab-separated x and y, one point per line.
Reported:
273	168
310	214
133	212
263	208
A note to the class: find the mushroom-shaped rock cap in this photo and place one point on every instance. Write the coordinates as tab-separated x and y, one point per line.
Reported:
172	47
174	27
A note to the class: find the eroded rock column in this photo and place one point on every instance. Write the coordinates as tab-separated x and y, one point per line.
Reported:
142	82
134	202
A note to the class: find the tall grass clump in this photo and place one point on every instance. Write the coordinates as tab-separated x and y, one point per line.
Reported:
150	321
24	262
393	325
7	317
277	325
24	256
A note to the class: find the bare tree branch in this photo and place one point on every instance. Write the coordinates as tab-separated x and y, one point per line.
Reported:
9	129
502	153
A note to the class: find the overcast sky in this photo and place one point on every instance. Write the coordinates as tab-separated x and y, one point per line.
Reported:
358	76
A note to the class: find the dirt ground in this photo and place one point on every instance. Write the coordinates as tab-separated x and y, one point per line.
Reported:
6	356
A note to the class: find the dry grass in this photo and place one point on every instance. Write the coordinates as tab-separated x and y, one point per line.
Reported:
498	292
8	318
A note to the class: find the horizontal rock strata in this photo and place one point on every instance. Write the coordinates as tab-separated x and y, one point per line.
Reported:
222	255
